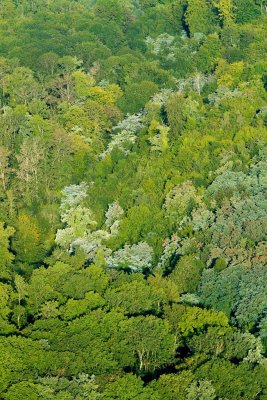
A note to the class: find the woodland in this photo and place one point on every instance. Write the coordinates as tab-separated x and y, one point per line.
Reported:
133	199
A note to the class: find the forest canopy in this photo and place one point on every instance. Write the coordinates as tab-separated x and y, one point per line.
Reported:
133	211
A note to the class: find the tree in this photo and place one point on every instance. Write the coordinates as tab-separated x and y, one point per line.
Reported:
236	289
6	257
7	9
23	358
129	387
173	386
245	11
78	283
136	257
202	390
5	303
208	53
22	87
226	11
122	141
230	380
79	231
48	63
113	216
27	242
75	308
45	285
187	273
91	53
181	199
115	10
4	167
136	96
145	344
69	64
228	343
61	89
28	173
125	134
27	390
229	75
199	17
160	140
83	83
73	195
135	297
195	320
22	293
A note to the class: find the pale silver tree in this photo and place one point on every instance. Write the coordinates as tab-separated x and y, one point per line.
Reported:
120	141
113	216
124	134
162	97
163	45
78	221
91	243
135	257
73	195
195	82
131	123
80	226
223	94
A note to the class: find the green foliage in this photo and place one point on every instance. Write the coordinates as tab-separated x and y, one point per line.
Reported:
133	199
245	11
228	379
82	387
135	297
236	290
224	342
27	242
128	387
173	386
195	320
201	390
209	53
145	344
137	95
199	17
187	274
6	257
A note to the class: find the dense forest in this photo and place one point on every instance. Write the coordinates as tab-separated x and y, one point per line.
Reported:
133	199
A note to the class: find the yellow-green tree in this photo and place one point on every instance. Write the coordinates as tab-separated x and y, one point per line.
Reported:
27	241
